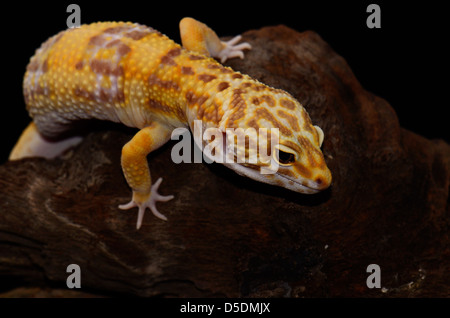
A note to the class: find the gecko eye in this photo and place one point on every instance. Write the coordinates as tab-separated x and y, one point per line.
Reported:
284	158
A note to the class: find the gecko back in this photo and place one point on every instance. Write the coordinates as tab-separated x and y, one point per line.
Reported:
91	72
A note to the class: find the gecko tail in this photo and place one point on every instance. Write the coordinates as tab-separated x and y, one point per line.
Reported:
32	144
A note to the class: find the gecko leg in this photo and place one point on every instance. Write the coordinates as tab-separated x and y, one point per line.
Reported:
137	173
198	37
32	144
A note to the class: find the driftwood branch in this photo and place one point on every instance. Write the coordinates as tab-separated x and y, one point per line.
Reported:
231	236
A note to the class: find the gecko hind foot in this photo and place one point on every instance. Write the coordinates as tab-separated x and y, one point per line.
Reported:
149	203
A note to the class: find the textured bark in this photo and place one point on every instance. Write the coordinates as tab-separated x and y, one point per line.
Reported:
231	236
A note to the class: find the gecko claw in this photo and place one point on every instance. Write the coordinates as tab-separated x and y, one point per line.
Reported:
150	203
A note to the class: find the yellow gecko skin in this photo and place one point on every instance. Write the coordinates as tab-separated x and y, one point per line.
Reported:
133	74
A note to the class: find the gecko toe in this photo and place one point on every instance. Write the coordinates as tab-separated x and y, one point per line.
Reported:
128	205
231	50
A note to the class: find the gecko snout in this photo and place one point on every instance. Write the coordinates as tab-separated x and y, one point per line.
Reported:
321	181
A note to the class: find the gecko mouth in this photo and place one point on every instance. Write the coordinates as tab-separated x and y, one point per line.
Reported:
254	172
297	186
289	180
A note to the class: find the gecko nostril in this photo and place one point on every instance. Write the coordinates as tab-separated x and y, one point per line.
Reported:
321	183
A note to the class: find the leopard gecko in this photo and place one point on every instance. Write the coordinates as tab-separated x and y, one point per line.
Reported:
134	75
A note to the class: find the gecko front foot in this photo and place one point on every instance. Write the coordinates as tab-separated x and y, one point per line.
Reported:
149	202
231	50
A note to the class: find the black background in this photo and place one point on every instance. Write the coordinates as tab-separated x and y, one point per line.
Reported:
405	62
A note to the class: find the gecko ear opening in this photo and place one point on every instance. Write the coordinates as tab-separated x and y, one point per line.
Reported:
321	135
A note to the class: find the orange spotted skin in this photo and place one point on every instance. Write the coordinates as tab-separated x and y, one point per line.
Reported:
132	74
123	72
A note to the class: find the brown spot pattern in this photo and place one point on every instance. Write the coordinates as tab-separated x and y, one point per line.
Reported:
302	170
33	66
287	172
213	114
214	66
35	63
106	68
236	115
206	77
123	49
97	40
80	92
187	70
308	126
117	29
246	85
286	103
253	123
168	60
292	121
193	57
237	101
104	95
259	88
308	150
264	113
256	101
221	68
155	80
45	66
222	86
113	43
174	52
79	65
158	106
269	100
139	34
192	99
293	146
239	106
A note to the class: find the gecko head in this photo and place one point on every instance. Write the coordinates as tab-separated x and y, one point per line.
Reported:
286	144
